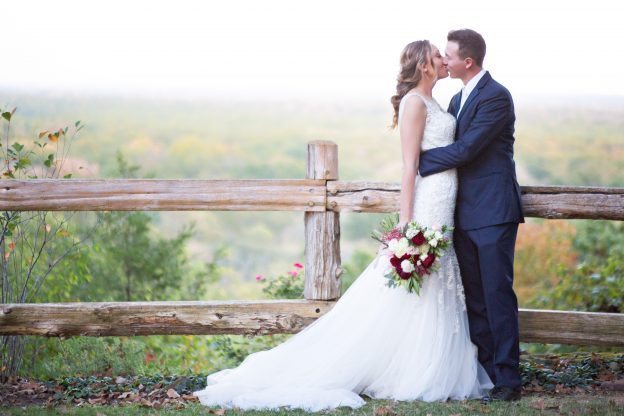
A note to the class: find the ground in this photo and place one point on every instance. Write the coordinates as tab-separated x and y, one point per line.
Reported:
572	384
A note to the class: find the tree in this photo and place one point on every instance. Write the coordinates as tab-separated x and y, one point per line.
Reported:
128	261
596	283
32	244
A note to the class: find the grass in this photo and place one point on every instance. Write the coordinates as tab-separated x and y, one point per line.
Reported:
608	405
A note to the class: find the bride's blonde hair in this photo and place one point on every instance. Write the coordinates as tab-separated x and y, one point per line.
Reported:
414	54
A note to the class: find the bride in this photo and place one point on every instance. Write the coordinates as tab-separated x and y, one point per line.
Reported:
379	342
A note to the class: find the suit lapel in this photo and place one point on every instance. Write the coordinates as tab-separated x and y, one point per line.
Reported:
475	92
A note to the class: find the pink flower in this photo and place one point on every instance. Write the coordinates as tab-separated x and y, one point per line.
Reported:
298	265
392	234
293	273
259	278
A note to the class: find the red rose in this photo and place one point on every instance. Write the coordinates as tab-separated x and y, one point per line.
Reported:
429	260
396	261
403	275
419	239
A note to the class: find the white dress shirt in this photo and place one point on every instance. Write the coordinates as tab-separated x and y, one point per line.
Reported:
470	85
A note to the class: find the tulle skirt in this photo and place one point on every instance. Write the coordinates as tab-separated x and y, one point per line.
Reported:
376	341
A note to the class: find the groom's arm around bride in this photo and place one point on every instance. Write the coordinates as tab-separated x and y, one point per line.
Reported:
488	207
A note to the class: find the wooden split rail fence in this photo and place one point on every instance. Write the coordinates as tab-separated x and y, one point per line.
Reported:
321	197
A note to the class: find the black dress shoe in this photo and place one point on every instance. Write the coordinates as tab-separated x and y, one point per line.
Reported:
506	394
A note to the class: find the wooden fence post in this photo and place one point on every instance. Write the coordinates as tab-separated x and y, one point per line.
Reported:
322	229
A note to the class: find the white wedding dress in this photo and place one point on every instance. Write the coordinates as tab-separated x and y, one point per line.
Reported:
376	341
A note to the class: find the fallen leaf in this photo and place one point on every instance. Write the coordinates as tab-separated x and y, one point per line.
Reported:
172	393
384	411
190	398
145	402
155	391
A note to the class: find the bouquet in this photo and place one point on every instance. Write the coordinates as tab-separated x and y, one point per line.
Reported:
414	251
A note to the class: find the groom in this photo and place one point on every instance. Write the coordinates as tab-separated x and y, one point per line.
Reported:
488	208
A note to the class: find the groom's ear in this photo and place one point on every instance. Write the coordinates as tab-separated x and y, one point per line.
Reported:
469	62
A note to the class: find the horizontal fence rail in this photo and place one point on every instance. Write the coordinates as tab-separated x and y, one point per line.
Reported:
321	196
160	318
309	195
260	318
554	202
162	195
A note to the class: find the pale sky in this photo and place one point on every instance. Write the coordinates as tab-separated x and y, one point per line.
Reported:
270	48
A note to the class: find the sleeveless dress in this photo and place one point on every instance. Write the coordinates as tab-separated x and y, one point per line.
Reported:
376	341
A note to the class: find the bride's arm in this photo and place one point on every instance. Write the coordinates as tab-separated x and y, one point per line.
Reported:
411	129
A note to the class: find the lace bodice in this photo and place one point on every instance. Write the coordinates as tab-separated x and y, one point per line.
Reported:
439	125
434	195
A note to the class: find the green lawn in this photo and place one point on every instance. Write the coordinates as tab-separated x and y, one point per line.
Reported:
606	405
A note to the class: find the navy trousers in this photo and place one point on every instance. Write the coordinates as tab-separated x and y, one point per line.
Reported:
486	258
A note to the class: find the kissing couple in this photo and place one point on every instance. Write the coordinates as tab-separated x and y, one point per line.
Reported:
458	338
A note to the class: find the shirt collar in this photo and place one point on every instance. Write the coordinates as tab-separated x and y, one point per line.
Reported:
470	85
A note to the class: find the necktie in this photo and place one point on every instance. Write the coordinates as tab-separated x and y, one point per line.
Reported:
461	100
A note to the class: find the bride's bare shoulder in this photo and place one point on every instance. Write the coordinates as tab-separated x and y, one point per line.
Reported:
413	107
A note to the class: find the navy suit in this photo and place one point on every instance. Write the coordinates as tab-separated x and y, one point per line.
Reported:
487	214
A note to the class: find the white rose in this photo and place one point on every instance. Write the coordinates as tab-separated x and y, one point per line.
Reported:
433	243
407	266
392	244
438	235
398	247
411	232
429	234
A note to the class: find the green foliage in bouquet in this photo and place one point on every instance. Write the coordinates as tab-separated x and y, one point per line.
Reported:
387	224
413	250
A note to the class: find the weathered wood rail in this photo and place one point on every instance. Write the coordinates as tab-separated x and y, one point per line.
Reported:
309	195
321	197
552	202
260	318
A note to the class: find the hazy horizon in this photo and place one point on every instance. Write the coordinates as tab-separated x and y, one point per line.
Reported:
281	50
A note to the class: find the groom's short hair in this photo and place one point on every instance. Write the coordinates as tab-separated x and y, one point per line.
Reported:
471	44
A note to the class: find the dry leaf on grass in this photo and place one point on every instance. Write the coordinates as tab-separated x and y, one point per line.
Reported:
172	393
384	411
147	403
190	398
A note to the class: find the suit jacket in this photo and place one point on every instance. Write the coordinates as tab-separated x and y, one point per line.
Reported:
488	192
